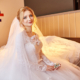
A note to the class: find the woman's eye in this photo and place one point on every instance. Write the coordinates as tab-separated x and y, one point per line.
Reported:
24	18
31	15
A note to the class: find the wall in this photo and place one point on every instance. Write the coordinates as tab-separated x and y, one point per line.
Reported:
46	7
9	8
65	24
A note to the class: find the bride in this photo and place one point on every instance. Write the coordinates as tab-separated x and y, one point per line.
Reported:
27	56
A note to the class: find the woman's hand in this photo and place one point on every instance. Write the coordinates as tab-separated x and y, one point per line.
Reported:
57	66
51	68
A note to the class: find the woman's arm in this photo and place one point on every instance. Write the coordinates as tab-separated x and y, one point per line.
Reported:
50	65
43	59
40	56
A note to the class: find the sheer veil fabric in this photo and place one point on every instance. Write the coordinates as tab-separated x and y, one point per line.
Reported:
15	63
9	55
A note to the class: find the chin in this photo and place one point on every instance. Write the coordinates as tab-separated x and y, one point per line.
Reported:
29	25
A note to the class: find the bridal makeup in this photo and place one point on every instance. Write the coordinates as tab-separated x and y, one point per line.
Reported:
28	19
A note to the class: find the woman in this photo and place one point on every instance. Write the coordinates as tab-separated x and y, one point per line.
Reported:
23	59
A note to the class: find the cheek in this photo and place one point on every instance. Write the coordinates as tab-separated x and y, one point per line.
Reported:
24	21
33	19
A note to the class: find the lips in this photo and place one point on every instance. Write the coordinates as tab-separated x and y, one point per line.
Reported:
30	22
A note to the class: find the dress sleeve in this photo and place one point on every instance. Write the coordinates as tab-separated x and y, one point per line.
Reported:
44	62
42	67
47	61
38	66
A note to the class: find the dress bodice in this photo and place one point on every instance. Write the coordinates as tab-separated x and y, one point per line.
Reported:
33	46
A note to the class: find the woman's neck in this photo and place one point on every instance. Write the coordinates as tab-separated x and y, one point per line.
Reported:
29	31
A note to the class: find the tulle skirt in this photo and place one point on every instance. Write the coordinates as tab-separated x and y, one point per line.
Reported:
63	48
14	70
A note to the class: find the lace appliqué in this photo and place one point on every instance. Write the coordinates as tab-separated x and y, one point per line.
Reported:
34	38
38	67
42	67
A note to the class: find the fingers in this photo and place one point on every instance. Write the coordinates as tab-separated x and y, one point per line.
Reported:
50	68
58	67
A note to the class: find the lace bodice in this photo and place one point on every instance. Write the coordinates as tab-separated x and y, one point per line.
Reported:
33	46
34	41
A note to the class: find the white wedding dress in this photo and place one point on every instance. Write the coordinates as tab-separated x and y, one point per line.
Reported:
63	48
19	58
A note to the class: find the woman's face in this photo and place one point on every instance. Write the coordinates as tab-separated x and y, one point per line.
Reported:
28	19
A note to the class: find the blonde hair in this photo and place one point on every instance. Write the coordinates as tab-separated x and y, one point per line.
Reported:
20	14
